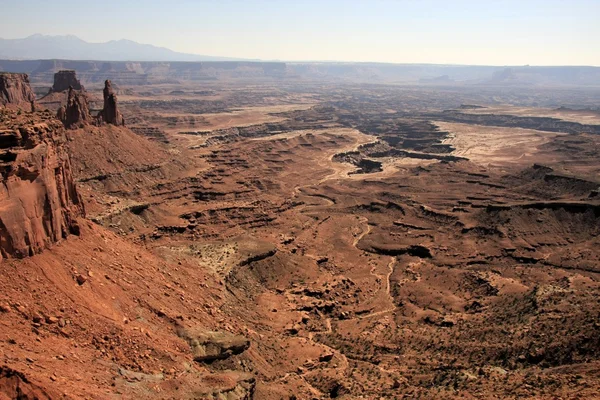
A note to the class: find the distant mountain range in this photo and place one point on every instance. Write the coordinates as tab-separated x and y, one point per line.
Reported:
128	62
71	47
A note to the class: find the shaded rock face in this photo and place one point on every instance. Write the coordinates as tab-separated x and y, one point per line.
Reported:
15	91
63	80
76	113
110	113
39	202
15	385
208	346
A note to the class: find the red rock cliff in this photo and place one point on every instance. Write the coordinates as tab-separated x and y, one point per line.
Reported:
15	91
39	202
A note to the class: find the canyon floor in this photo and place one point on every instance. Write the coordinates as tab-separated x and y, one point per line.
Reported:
369	241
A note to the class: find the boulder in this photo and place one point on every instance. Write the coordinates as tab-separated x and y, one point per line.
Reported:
208	346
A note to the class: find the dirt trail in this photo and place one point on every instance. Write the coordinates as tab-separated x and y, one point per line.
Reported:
364	233
387	291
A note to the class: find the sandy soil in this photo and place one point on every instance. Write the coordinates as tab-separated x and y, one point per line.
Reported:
582	117
495	145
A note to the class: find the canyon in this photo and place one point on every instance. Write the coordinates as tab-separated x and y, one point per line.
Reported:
256	236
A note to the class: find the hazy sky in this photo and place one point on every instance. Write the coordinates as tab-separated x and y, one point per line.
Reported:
497	32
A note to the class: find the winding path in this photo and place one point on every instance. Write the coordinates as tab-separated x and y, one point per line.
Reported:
387	291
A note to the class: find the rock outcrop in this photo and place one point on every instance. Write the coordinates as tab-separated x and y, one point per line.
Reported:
15	91
39	202
65	79
110	113
76	113
208	346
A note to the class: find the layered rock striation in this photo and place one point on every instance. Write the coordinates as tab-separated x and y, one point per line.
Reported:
15	91
39	202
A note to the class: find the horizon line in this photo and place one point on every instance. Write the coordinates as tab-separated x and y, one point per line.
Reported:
261	61
257	60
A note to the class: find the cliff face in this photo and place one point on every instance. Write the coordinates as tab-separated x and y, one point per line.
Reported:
65	79
110	113
38	198
15	91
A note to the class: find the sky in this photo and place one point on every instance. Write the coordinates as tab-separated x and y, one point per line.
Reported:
482	32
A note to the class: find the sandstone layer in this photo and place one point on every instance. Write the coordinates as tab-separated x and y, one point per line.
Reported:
15	91
39	202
